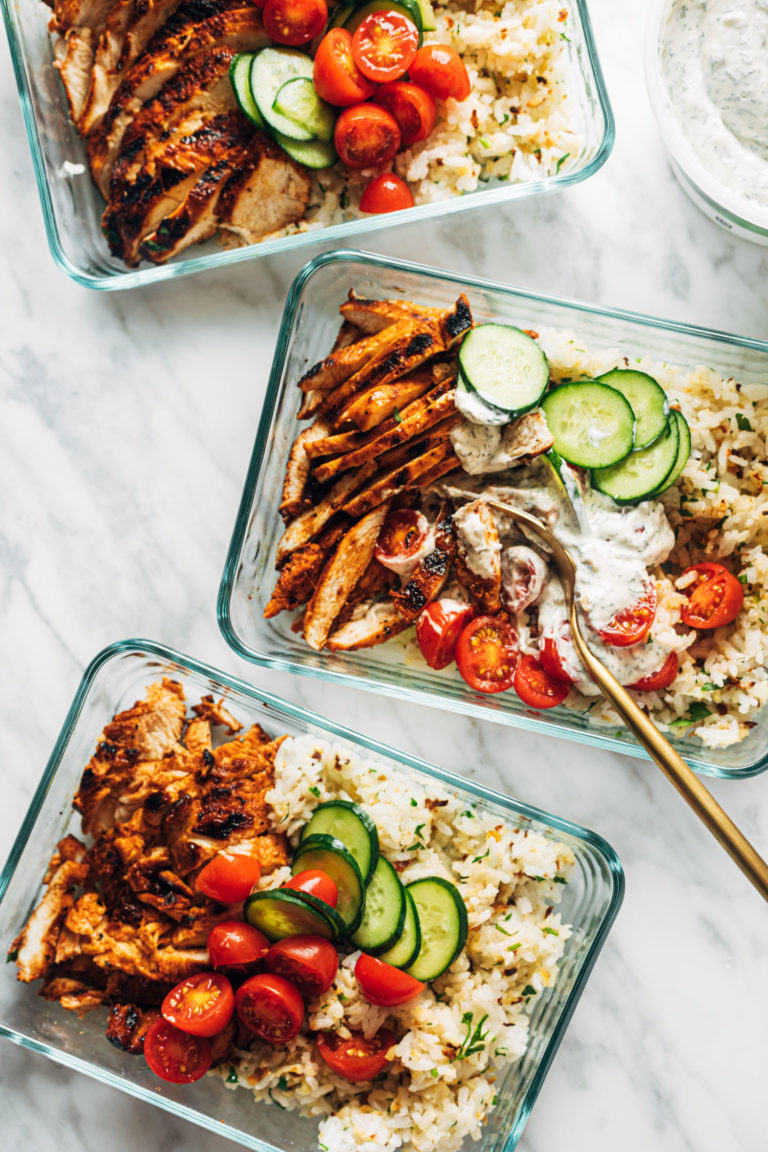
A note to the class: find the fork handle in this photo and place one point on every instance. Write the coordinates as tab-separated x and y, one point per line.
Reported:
675	769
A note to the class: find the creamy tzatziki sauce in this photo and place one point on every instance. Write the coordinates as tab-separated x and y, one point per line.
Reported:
481	552
713	56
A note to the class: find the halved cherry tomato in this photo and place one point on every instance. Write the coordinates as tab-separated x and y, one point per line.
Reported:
387	193
715	598
174	1055
414	109
383	984
384	45
309	962
441	71
439	627
271	1007
632	624
402	535
336	76
316	883
235	944
366	136
294	21
536	687
201	1005
661	679
230	876
355	1058
487	654
551	660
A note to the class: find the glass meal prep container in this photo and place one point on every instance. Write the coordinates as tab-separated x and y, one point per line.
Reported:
117	677
310	323
72	207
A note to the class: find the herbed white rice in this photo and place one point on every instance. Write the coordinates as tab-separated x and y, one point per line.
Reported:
718	509
466	1025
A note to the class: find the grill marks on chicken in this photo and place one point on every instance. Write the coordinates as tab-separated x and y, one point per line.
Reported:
122	921
384	407
148	87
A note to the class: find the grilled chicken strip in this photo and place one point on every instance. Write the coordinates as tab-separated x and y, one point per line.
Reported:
380	623
478	554
301	571
80	24
375	315
428	578
373	405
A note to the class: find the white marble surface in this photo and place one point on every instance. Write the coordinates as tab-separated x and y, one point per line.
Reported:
125	430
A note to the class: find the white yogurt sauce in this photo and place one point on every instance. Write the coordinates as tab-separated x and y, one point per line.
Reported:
480	548
714	64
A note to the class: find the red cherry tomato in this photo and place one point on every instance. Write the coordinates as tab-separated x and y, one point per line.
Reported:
336	76
487	654
175	1055
271	1007
414	109
632	624
387	193
439	627
316	883
441	71
384	45
714	598
235	944
536	687
355	1058
201	1005
402	535
309	962
661	679
383	984
230	876
366	136
551	660
294	21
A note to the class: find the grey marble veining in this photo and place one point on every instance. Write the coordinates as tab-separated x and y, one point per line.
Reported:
126	427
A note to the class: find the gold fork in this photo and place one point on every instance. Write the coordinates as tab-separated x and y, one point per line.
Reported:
671	763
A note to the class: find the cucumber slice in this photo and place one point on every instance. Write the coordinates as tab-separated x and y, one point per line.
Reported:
310	153
593	425
409	8
299	101
271	68
474	408
643	473
405	950
350	824
240	78
427	15
281	912
505	366
443	921
384	916
647	399
683	451
331	856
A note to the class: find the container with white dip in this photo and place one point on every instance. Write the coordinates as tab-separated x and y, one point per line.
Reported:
707	77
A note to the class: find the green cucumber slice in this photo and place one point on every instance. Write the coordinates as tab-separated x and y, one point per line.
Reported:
279	912
405	950
409	8
353	826
331	856
643	473
384	916
299	101
443	921
505	366
271	68
427	15
647	399
240	78
310	153
593	424
683	451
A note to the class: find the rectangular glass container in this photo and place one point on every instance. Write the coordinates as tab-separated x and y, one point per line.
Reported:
310	323
117	677
72	207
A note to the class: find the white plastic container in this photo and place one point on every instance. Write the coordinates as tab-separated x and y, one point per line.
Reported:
732	211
